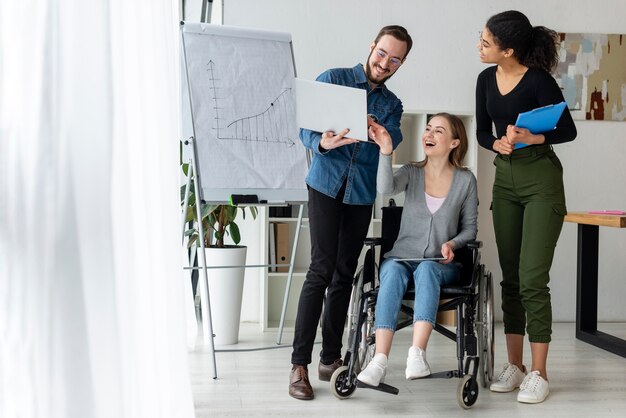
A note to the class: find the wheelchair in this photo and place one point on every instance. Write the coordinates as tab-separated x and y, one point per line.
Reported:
471	298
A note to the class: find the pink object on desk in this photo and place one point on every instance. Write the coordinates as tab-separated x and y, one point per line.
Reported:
607	212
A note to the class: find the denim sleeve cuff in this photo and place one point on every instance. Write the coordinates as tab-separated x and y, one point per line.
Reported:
321	150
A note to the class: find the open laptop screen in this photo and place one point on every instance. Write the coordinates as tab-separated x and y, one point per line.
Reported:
325	107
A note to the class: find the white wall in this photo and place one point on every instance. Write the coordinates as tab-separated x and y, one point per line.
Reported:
440	73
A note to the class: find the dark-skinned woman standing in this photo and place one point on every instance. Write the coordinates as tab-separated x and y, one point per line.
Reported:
528	203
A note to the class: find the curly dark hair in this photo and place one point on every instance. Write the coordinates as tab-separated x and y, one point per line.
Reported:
534	47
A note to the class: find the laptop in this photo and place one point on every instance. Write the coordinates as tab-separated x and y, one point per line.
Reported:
325	107
420	259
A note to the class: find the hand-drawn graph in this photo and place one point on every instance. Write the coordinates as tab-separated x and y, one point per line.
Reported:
272	124
242	113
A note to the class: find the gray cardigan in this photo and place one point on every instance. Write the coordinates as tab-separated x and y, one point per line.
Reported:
423	233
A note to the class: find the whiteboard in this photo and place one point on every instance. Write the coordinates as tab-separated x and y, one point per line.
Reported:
240	84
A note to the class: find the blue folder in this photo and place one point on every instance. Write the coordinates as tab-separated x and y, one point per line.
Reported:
540	120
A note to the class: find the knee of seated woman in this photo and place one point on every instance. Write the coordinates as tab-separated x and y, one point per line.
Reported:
428	267
435	272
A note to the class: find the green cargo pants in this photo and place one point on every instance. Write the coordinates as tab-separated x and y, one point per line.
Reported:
528	208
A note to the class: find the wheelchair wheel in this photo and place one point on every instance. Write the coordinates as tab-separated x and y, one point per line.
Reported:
342	384
365	349
467	391
486	328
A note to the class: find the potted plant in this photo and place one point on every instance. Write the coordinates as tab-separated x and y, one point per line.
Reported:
218	222
225	284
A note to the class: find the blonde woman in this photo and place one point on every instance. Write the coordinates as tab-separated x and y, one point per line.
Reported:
439	216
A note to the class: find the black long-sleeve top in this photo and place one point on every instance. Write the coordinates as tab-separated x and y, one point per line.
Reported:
537	88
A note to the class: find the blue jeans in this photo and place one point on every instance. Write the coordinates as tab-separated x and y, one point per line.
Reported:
428	276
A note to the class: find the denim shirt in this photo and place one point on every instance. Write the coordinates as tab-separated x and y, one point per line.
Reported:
355	164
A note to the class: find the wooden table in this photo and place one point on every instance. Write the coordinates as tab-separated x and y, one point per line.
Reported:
587	279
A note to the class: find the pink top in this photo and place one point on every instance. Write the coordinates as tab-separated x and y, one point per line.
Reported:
433	203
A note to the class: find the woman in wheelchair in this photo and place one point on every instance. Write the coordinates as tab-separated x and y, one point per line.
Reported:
439	216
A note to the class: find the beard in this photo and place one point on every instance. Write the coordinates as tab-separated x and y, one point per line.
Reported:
368	72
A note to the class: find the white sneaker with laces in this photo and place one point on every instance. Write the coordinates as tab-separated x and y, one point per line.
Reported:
374	373
534	389
416	364
510	378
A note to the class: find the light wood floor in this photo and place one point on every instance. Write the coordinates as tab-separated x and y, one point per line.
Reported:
585	381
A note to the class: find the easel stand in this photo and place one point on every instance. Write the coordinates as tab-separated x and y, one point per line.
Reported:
205	299
264	121
283	312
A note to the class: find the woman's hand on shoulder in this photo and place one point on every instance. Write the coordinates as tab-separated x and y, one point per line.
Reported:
447	250
380	136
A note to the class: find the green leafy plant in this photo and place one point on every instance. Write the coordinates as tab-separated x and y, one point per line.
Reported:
217	220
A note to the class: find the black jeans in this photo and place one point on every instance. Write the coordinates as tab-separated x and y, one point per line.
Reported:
337	233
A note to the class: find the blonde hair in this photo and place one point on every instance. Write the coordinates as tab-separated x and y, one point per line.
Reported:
457	131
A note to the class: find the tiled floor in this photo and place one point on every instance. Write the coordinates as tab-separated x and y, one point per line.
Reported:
585	381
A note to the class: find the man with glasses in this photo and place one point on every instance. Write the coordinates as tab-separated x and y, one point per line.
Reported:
342	189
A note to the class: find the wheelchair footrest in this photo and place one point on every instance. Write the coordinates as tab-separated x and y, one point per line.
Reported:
446	375
383	387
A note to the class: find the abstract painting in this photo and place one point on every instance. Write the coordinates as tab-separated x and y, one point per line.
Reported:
592	75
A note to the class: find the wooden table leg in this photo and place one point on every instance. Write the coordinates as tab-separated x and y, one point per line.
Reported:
587	294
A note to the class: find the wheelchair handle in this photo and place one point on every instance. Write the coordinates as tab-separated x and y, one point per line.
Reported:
373	241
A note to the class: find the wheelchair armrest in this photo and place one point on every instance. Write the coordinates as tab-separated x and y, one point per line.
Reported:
373	241
474	244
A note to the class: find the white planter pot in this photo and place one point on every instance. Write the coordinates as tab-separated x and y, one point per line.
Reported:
226	291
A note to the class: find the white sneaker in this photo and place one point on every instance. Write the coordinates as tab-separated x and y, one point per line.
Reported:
416	364
510	378
534	389
374	373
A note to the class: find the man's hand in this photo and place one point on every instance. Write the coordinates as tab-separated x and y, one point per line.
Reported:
331	140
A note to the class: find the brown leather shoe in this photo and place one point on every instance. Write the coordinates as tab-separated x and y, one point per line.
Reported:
325	371
299	385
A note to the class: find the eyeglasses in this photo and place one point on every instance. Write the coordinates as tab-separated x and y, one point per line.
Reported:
393	61
481	41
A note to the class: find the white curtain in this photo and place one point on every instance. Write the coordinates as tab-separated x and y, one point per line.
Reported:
92	317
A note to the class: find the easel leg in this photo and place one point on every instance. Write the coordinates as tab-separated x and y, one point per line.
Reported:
290	276
205	300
